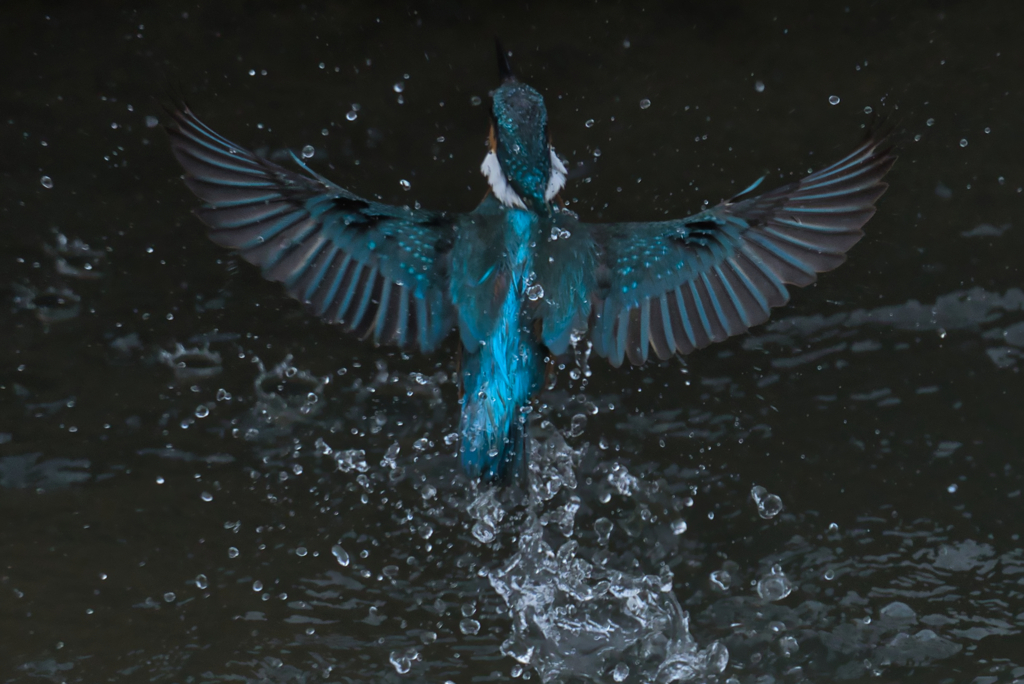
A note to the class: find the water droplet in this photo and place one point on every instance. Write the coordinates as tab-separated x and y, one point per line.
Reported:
597	151
169	597
308	152
768	505
897	611
469	626
775	586
406	185
987	130
483	531
679	527
868	110
401	662
645	103
257	586
951	489
589	123
830	574
717	657
833	99
788	645
929	122
399	87
160	480
475	101
963	142
352	115
721	580
202	411
577	425
341	555
152	122
301	551
620	672
759	86
534	292
206	496
201	581
232	552
46	182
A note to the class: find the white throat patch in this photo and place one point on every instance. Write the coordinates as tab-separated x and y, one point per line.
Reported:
557	179
491	169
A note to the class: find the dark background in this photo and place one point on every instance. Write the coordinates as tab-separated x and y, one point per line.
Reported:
886	399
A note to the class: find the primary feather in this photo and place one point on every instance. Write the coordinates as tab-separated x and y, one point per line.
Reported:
676	286
379	271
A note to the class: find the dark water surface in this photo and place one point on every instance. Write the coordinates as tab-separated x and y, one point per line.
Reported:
200	483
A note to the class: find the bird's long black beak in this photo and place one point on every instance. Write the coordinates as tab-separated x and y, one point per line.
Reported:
504	68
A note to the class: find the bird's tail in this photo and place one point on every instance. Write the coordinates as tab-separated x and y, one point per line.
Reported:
493	422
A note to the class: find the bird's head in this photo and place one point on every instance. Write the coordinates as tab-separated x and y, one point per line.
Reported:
521	167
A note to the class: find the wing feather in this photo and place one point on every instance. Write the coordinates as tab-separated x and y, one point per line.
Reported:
676	286
379	271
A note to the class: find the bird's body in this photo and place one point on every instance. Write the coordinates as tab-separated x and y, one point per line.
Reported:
519	277
501	360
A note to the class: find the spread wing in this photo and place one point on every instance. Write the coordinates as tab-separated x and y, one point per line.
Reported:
676	286
378	270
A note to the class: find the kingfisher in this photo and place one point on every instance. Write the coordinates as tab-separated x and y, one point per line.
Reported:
521	278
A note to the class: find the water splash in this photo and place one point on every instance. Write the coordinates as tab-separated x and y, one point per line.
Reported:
74	258
488	513
52	304
573	613
191	364
286	393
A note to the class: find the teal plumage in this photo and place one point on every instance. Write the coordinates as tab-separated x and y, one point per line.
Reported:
502	361
520	277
